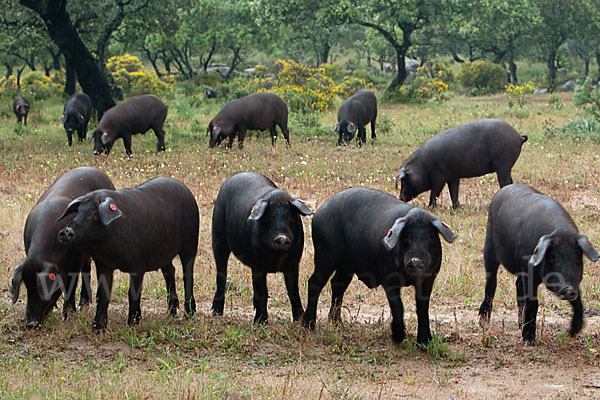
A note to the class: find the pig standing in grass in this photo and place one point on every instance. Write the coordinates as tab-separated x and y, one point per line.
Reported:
356	112
473	149
51	268
21	109
136	230
536	239
258	111
136	115
381	240
76	115
261	225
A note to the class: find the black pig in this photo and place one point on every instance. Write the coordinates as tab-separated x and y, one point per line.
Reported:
51	268
536	239
260	111
136	115
261	225
356	112
381	240
473	149
76	115
136	230
21	109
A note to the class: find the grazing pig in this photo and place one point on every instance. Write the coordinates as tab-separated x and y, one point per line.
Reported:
51	268
21	109
381	240
536	239
261	225
260	111
473	149
136	115
136	230
356	112
76	115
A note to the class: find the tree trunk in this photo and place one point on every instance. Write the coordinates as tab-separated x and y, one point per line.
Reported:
234	61
70	81
551	64
19	72
62	32
401	74
325	53
512	66
598	63
9	69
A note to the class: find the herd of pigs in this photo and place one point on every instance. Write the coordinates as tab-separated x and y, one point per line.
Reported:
364	232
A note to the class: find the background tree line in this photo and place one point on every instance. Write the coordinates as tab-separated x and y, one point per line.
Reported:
185	37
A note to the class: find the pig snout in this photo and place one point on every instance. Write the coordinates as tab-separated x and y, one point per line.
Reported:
282	242
66	235
415	265
567	292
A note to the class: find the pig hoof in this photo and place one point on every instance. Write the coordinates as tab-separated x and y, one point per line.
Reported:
529	341
398	335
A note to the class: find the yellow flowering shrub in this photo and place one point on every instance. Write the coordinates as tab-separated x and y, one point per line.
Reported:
518	92
131	76
8	87
38	86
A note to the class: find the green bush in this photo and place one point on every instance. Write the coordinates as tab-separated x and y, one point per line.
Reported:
587	96
582	129
482	77
38	86
8	87
131	76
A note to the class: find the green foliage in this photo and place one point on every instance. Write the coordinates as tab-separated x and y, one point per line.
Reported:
555	102
8	87
131	76
582	129
38	86
422	88
482	77
587	96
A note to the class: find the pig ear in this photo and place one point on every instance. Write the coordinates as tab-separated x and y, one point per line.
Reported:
15	283
92	135
105	138
444	230
108	211
71	208
81	116
48	280
540	250
390	240
258	210
401	175
351	127
588	249
301	207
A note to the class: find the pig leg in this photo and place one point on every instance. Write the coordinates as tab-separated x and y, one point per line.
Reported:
273	135
422	296
530	310
577	321
168	272
85	297
504	177
392	291
436	189
520	301
285	131
70	285
241	136
373	136
127	144
491	276
136	280
70	138
339	284
291	284
160	135
453	188
187	261
105	280
81	133
323	270
221	253
259	286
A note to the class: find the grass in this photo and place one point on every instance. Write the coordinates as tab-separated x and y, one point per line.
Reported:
227	357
